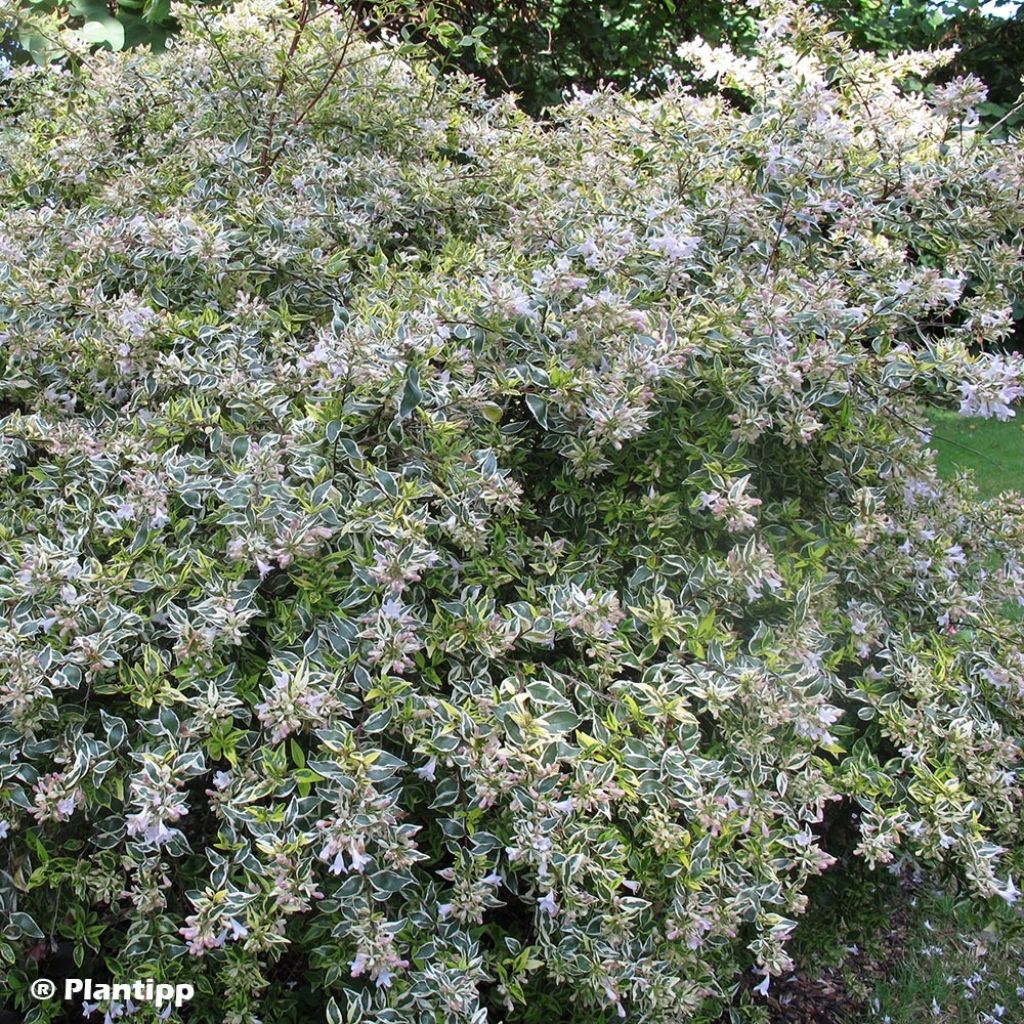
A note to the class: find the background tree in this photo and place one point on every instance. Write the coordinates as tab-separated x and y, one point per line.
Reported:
539	49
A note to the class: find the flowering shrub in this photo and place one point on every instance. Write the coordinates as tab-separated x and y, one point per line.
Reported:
457	566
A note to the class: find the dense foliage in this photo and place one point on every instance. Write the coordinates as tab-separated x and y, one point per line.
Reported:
454	566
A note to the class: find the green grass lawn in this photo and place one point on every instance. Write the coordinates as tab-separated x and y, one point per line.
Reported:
994	450
961	965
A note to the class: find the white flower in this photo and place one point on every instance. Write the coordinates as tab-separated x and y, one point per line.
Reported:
359	858
548	905
675	247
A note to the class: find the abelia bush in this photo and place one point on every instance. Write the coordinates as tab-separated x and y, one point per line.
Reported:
455	567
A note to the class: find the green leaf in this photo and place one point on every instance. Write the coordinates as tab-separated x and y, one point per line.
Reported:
26	925
411	395
156	11
103	32
560	721
544	693
40	49
389	881
38	847
91	10
538	409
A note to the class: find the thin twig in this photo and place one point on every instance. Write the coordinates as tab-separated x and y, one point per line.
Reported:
271	159
282	79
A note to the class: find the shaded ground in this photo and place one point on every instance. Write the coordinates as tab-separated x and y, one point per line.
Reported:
841	994
909	953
